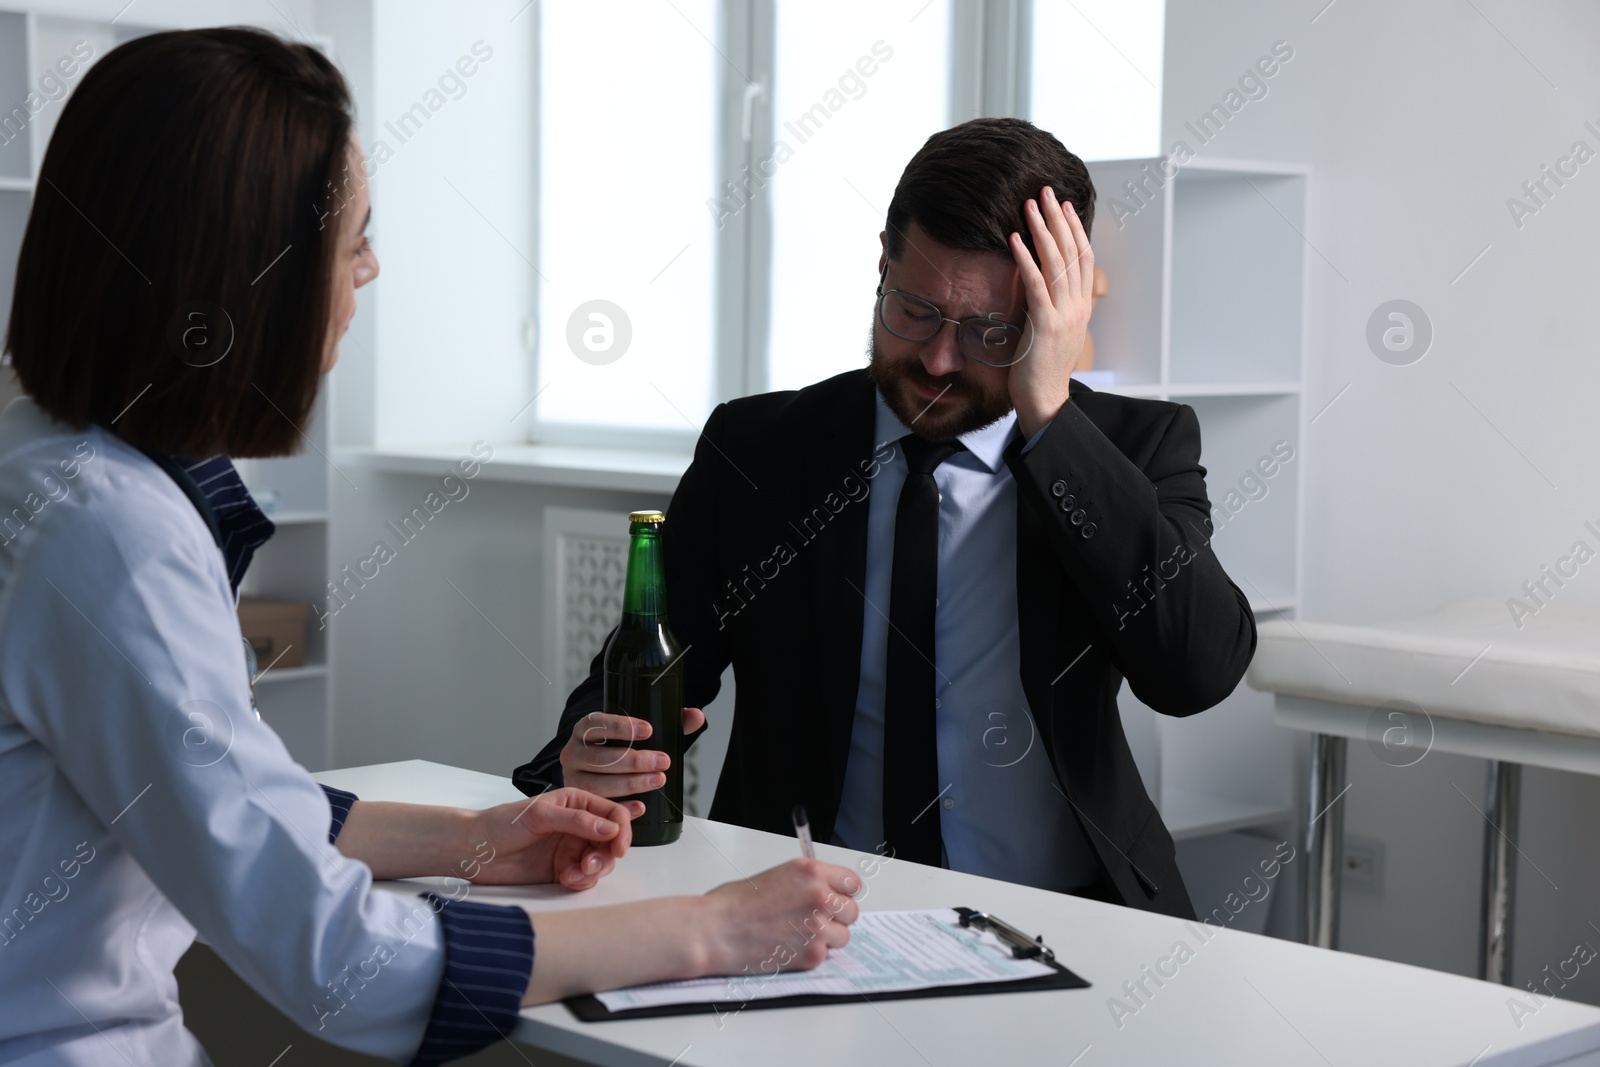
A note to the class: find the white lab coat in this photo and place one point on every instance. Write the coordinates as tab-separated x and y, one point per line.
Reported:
141	802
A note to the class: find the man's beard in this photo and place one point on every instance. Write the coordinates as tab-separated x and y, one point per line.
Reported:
965	406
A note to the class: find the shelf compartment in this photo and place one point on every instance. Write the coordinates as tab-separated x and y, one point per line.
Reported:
1189	815
293	674
1181	391
1227	767
292	566
1130	246
296	517
297	710
1148	392
14	207
16	161
1269	602
300	480
1238	258
1254	513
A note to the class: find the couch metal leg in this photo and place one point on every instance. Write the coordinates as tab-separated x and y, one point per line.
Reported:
1502	804
1324	840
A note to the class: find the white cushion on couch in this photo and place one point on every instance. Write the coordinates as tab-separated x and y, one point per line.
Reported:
1543	675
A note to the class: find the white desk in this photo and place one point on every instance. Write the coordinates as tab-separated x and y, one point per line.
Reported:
1240	998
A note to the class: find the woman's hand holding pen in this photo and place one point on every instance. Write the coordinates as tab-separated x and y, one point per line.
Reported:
783	919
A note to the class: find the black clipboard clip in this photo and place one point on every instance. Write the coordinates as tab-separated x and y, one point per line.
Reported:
1023	947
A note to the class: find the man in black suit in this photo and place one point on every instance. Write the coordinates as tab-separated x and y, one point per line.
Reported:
921	569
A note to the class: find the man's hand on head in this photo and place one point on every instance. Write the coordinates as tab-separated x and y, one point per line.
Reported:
1059	290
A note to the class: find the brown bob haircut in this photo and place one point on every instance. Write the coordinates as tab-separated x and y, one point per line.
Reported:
967	186
178	241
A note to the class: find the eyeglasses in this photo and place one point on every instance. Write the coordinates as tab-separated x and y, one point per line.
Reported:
982	339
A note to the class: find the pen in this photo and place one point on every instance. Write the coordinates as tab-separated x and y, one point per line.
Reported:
802	830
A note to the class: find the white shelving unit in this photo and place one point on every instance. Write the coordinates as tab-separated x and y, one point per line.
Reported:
1206	306
16	156
295	564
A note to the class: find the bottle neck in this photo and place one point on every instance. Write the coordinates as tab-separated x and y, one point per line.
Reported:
645	593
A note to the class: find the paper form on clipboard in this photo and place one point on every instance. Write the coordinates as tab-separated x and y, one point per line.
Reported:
889	952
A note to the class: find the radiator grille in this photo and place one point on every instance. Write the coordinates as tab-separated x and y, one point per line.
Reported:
591	594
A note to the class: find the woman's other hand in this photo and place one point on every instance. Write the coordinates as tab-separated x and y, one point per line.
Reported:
567	836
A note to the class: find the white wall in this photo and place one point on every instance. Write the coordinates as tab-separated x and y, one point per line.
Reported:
421	673
1421	119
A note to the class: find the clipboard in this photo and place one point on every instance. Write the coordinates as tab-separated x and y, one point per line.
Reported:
589	1009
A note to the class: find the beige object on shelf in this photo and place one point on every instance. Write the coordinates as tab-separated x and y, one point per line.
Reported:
1099	290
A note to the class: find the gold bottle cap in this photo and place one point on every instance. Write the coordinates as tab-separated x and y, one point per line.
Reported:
646	516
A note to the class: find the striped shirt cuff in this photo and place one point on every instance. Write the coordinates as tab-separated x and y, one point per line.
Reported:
488	958
341	803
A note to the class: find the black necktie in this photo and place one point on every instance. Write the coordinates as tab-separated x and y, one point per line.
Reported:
910	740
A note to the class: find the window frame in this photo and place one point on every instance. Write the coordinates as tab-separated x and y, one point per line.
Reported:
988	76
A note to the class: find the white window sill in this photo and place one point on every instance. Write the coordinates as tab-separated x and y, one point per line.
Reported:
625	470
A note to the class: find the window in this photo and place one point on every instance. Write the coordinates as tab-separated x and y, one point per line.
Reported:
626	246
1096	75
857	89
712	179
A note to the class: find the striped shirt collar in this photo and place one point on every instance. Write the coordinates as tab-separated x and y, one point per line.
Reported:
214	487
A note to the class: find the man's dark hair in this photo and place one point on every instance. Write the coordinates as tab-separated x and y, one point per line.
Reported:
967	185
184	205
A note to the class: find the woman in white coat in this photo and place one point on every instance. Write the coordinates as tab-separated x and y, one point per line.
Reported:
189	267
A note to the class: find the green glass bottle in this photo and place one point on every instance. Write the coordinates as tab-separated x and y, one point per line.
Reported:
644	676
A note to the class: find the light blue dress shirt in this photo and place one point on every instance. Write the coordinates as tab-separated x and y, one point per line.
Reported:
1001	813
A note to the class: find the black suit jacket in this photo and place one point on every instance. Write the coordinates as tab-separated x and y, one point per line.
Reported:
765	546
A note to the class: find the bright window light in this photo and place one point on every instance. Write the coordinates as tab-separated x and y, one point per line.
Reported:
859	88
1097	75
627	248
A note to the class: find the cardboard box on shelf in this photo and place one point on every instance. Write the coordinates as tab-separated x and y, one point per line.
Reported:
276	629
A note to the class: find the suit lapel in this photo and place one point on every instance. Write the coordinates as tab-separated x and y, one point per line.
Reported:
839	564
